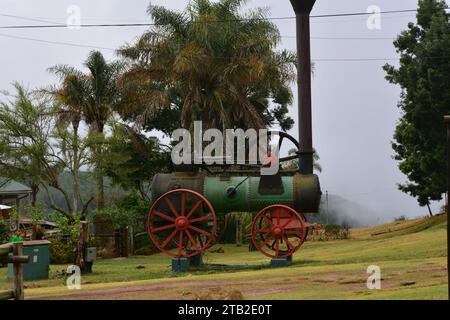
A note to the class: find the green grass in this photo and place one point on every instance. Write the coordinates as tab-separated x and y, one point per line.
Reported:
412	256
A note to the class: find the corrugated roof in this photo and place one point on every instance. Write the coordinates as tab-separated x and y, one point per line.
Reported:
12	187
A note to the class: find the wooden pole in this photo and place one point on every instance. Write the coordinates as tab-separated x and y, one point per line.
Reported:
18	272
6	295
447	121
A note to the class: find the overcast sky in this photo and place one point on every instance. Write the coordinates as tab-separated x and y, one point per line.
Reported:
354	108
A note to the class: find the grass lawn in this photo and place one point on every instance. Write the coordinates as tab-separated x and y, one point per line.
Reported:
412	256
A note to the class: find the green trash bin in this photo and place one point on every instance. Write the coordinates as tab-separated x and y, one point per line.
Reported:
38	265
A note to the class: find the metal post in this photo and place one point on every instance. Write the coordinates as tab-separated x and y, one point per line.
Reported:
302	10
447	121
328	212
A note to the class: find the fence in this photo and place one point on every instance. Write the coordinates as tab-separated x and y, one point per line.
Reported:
17	259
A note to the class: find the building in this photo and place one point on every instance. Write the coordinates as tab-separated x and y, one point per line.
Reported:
13	193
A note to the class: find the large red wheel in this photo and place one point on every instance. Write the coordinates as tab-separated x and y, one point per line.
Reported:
278	231
182	223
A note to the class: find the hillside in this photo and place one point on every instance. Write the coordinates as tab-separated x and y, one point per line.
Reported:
412	256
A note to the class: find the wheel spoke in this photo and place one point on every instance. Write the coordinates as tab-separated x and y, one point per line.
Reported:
199	237
180	243
169	226
166	242
288	243
172	208
162	215
263	231
200	230
192	240
201	219
265	242
277	246
183	202
267	219
289	221
194	208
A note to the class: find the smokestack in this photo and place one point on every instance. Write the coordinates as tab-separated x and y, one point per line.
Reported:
302	10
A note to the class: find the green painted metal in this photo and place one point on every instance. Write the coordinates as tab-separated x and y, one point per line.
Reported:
38	265
301	192
247	198
280	262
180	265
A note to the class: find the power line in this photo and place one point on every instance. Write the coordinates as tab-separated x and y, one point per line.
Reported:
315	60
203	22
344	38
55	42
26	18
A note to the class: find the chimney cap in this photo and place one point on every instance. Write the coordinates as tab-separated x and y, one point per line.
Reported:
302	6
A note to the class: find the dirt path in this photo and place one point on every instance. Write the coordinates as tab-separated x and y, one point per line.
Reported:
328	285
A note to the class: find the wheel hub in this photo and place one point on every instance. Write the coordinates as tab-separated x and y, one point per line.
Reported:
277	231
181	223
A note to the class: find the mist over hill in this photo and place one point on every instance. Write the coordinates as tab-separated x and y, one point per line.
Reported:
345	212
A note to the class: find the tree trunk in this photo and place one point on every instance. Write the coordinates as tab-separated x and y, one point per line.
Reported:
98	170
85	267
99	189
34	192
76	168
429	210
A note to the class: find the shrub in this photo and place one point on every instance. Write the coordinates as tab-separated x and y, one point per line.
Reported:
4	232
401	218
62	252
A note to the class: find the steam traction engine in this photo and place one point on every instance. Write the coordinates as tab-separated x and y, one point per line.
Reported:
189	207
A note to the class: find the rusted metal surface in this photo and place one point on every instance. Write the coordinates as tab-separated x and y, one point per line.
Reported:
302	10
165	182
306	193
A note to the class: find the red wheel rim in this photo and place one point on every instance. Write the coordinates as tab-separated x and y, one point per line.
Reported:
220	230
278	231
178	218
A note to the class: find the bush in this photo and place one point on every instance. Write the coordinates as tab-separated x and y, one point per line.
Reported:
62	252
401	218
330	232
4	232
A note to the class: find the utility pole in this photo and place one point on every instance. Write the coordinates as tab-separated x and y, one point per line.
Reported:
328	212
447	121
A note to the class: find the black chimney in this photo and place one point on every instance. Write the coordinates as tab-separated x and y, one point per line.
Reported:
302	10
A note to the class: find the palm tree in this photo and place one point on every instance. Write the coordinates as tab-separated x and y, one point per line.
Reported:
90	97
212	64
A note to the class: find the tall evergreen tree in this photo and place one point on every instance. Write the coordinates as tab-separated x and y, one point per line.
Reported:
424	77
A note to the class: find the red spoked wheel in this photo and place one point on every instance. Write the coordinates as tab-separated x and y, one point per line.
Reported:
182	223
278	231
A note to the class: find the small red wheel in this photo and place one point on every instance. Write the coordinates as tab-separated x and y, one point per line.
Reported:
278	231
182	223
